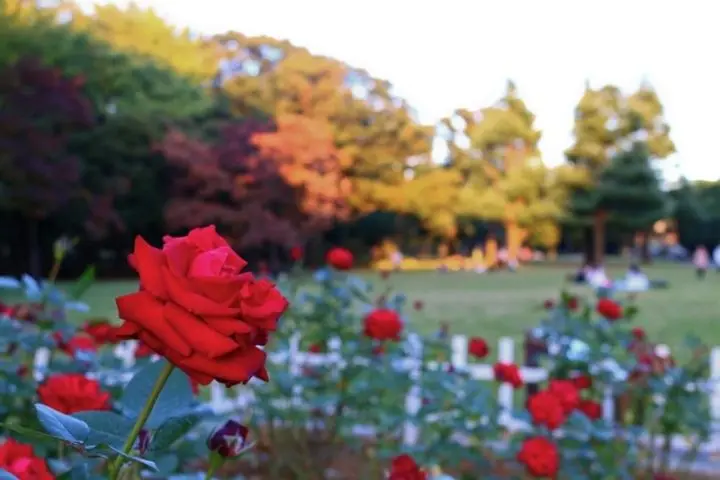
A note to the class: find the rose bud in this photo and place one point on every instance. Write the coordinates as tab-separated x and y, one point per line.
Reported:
230	440
143	441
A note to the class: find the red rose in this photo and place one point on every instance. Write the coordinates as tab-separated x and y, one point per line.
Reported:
5	309
296	253
20	460
566	392
546	409
582	382
197	309
73	392
609	309
638	334
315	348
548	304
593	410
540	457
383	324
478	348
102	332
508	373
78	343
340	258
403	467
572	303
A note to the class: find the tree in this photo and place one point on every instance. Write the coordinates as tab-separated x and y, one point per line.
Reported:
629	190
374	129
605	121
265	185
41	108
141	32
505	181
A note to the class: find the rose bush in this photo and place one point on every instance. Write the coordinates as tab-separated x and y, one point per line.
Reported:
353	392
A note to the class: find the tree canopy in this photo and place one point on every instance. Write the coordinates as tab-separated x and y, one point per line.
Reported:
115	122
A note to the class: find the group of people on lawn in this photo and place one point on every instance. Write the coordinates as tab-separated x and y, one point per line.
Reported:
635	280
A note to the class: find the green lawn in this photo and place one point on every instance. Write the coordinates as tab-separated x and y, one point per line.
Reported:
506	304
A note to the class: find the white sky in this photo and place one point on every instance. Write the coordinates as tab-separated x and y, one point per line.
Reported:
441	55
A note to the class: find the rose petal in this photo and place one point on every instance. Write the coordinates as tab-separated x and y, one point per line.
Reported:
180	292
148	261
237	367
229	326
203	339
143	309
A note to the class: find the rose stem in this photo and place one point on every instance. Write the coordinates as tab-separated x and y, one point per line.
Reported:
142	418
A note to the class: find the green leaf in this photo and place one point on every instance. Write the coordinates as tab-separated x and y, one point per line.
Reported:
174	400
34	435
151	465
78	472
172	430
5	475
61	426
83	283
105	427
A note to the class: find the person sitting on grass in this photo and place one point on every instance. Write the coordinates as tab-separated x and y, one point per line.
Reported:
580	276
637	281
597	278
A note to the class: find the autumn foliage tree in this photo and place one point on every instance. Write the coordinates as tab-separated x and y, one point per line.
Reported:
606	121
505	180
40	108
267	185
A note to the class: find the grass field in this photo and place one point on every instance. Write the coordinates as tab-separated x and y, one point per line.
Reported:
506	304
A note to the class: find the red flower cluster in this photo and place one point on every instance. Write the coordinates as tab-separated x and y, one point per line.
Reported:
403	467
73	392
383	324
609	309
540	457
196	308
20	460
551	407
340	258
478	347
508	373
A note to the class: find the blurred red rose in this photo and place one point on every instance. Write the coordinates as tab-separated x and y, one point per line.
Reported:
593	410
20	460
296	253
101	331
315	348
582	382
638	333
609	309
340	258
540	457
572	303
478	347
548	304
76	344
403	467
197	309
546	409
73	392
508	373
566	392
383	324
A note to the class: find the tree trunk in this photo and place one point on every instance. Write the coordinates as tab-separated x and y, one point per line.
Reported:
33	245
645	252
599	221
514	236
588	246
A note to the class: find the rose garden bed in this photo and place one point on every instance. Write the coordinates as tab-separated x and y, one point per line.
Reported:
79	418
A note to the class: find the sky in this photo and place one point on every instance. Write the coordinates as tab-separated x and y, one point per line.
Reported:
443	55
